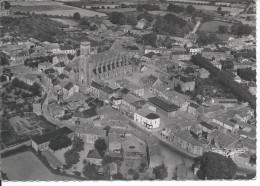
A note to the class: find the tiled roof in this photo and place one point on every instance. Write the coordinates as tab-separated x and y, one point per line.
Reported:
96	85
152	116
188	138
130	98
66	47
103	56
60	64
163	104
68	86
47	137
94	154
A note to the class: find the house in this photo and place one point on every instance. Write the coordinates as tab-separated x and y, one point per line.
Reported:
67	49
213	55
44	66
59	67
230	126
141	24
85	116
175	97
147	118
90	135
203	73
151	81
72	73
136	89
244	65
29	79
95	89
52	160
179	55
188	143
252	90
195	50
185	82
131	102
69	89
60	58
163	106
206	128
49	71
37	106
192	109
106	93
41	142
244	115
94	157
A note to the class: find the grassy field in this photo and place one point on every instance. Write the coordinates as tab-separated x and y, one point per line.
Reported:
116	10
212	26
66	21
53	8
26	166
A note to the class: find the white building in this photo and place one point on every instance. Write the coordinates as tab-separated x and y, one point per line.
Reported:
147	118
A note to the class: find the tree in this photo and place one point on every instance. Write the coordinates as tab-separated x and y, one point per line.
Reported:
78	144
71	157
240	29
3	59
59	142
90	171
247	74
175	8
190	9
223	28
215	166
76	16
6	4
136	176
118	176
160	172
148	39
117	18
101	146
227	64
219	9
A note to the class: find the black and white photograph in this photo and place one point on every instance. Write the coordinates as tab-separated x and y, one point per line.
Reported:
128	90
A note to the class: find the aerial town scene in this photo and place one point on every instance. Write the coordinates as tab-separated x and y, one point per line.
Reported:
128	90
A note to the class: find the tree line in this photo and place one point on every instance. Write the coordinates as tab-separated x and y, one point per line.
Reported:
225	79
35	88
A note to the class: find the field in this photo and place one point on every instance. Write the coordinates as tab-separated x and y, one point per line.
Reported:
213	8
26	166
53	8
116	10
212	27
66	21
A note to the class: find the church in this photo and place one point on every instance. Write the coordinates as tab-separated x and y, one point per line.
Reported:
102	66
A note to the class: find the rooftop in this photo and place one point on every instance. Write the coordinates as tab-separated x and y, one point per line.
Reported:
163	104
47	137
86	113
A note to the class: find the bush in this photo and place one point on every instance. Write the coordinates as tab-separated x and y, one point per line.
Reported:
77	173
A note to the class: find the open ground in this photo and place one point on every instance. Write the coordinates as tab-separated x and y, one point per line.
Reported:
26	166
54	8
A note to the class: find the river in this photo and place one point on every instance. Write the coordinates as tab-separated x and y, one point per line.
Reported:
172	158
